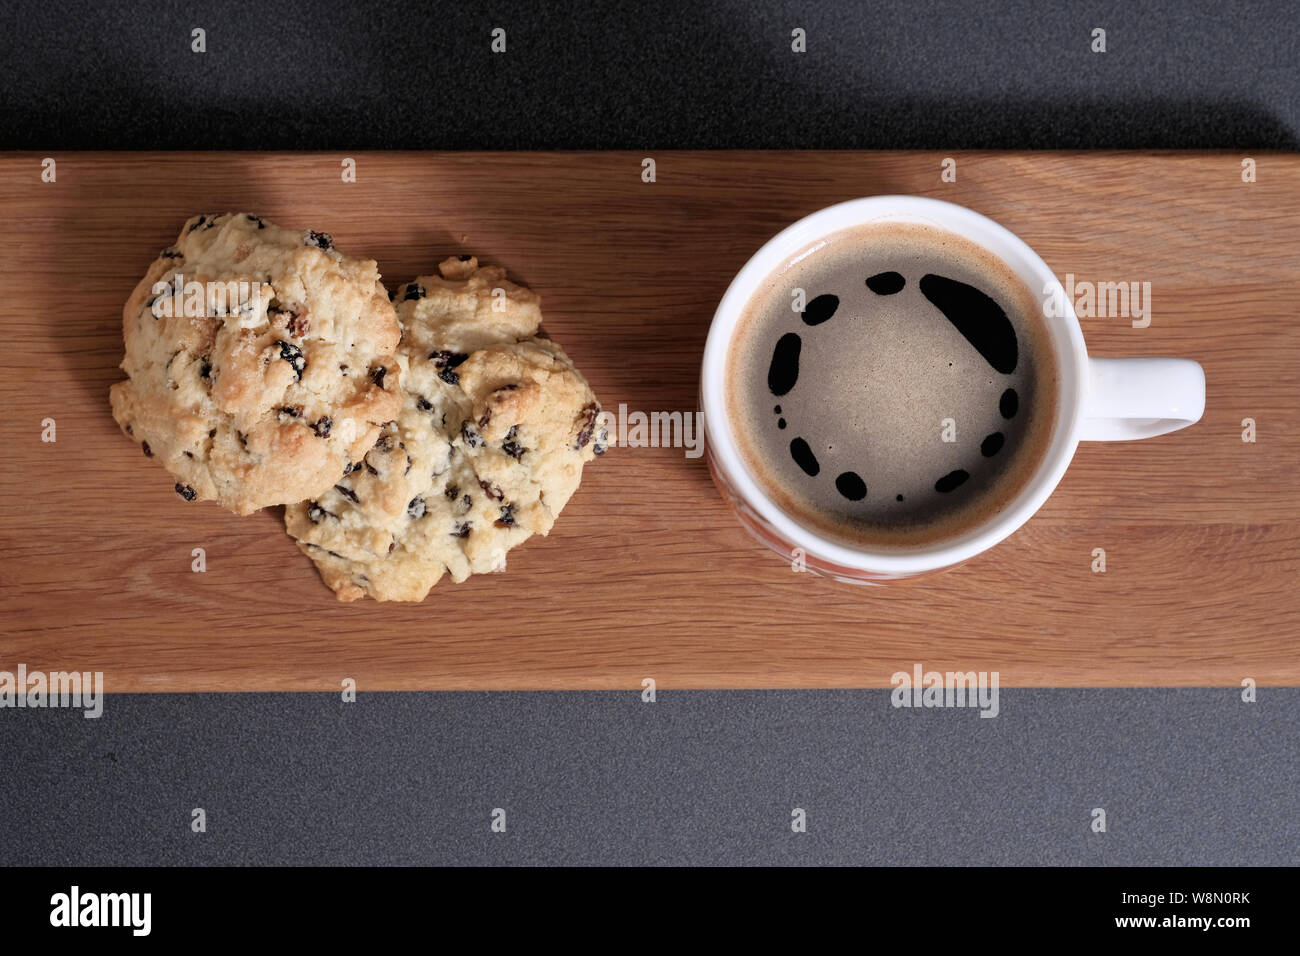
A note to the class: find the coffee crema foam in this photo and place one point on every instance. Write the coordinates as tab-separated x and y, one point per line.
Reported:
841	411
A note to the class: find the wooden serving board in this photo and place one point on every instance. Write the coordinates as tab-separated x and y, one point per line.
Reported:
646	574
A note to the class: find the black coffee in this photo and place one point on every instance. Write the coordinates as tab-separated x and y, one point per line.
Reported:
909	400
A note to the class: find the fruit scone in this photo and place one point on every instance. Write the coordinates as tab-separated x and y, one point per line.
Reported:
489	445
259	361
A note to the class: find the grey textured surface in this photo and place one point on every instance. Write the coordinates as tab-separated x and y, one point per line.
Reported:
1186	777
890	73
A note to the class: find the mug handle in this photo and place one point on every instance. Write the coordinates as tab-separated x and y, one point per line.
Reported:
1141	397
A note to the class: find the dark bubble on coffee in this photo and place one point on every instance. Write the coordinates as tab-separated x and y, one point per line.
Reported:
916	386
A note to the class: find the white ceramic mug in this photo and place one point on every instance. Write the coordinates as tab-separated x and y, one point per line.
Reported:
1100	399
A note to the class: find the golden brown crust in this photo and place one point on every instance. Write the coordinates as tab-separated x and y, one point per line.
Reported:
265	379
495	427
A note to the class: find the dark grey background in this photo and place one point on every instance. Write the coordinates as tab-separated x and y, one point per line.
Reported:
1186	776
1185	73
1189	777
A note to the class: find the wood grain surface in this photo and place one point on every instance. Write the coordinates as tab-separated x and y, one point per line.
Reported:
646	573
